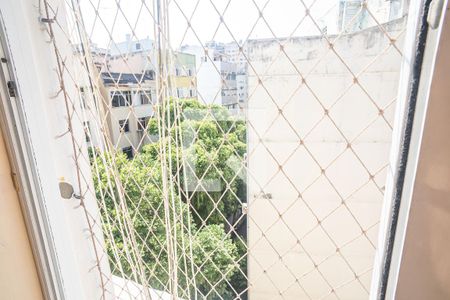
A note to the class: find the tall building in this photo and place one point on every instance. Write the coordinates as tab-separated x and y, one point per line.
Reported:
221	74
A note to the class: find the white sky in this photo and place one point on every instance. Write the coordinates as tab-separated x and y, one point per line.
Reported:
240	16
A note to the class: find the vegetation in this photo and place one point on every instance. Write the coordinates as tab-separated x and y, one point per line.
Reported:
213	147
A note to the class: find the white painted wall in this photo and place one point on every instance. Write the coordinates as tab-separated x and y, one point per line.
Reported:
290	142
209	82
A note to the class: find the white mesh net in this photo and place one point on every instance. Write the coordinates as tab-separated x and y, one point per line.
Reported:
238	149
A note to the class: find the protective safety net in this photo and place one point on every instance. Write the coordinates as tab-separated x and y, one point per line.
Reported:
229	149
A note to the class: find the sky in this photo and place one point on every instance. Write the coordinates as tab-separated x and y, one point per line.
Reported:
241	19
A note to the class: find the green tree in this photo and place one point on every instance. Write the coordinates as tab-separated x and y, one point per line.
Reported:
213	251
212	144
214	147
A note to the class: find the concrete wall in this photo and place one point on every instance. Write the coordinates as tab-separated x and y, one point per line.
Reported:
212	85
130	45
291	140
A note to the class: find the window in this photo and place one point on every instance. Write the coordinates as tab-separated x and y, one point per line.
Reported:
138	46
121	98
128	151
231	76
145	97
142	123
83	98
189	72
150	73
124	125
177	72
87	131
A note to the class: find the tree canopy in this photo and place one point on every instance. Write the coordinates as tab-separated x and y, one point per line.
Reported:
203	210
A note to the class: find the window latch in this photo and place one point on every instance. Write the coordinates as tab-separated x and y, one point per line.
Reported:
11	88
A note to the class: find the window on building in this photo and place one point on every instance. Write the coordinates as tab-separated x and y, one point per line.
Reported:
142	123
83	97
128	151
150	73
231	76
124	125
138	46
145	97
121	98
189	72
177	72
87	131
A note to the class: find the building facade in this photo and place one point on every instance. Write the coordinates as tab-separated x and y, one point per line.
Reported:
128	80
221	74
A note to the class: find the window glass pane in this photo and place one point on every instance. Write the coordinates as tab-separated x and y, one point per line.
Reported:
124	125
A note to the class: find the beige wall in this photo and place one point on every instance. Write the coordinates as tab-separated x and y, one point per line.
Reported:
18	274
425	266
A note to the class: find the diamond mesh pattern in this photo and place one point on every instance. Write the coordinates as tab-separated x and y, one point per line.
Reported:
250	169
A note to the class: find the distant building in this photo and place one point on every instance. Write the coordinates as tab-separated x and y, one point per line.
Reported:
128	77
131	45
221	74
185	81
131	96
354	15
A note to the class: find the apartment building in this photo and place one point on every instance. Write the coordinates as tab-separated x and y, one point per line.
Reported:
131	96
129	89
185	81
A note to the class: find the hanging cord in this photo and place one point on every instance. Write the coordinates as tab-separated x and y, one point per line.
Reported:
181	168
163	111
60	72
124	221
126	231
